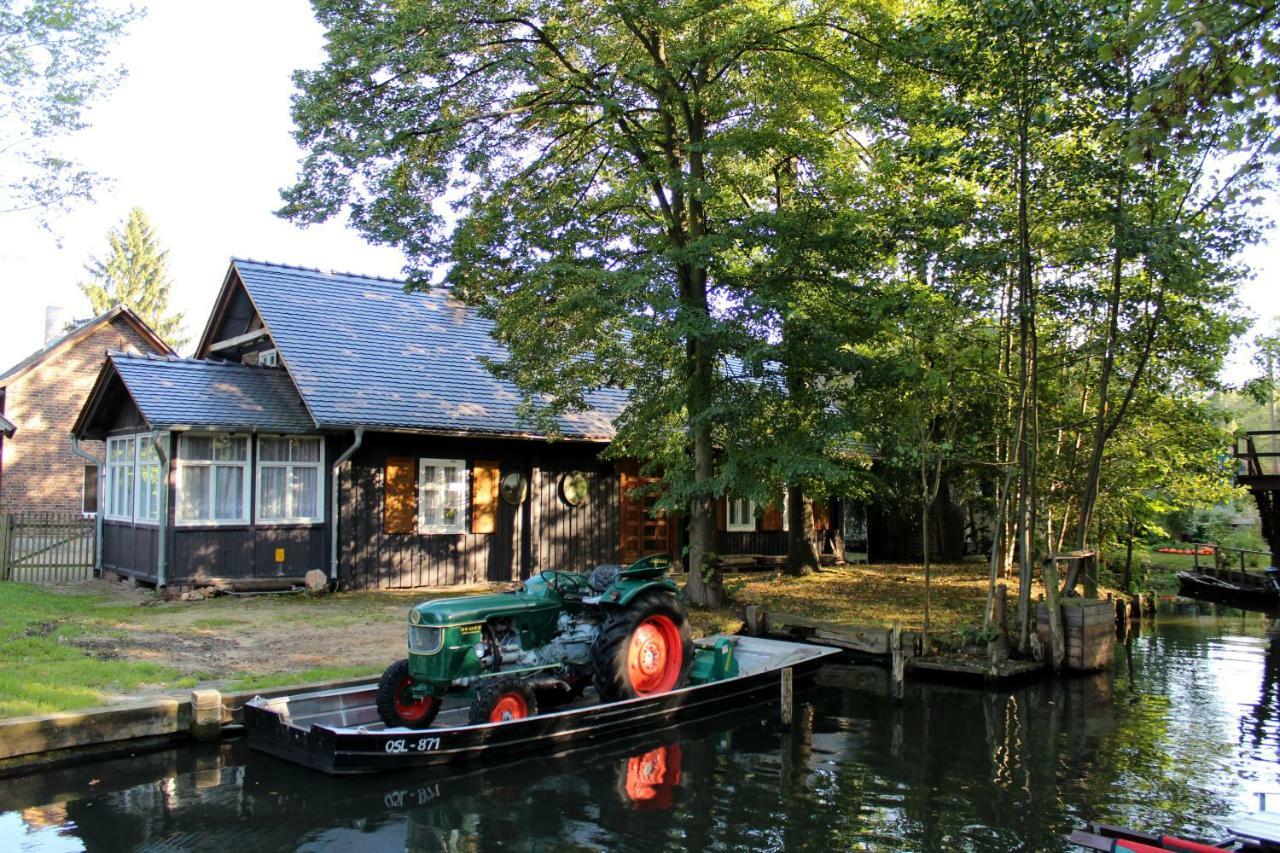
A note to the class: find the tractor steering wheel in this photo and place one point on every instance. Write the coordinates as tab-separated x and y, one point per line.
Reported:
553	582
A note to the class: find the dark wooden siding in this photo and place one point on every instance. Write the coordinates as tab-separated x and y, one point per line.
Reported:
130	549
769	543
544	532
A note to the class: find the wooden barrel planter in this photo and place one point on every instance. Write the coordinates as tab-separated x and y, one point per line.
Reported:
1088	628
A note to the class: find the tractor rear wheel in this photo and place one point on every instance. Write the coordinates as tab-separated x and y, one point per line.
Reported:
504	699
643	649
396	704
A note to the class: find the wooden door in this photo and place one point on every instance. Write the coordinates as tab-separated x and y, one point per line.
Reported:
642	533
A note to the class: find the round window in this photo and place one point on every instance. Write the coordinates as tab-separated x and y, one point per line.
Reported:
514	488
573	488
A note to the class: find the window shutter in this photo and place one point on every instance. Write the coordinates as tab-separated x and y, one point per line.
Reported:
772	518
484	496
820	520
722	514
630	513
401	505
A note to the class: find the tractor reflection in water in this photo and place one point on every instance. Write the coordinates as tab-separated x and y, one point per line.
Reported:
652	778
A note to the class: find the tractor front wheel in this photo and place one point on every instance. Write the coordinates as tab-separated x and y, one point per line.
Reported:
502	700
396	704
643	649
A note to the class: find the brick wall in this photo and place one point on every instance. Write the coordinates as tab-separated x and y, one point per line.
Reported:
40	473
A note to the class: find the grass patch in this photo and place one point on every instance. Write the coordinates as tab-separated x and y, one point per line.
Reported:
210	623
43	670
305	676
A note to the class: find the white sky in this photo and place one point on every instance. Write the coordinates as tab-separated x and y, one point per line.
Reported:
198	135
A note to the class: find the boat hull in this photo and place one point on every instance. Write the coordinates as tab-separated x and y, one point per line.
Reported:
279	727
1210	588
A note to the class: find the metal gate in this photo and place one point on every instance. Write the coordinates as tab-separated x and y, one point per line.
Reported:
46	547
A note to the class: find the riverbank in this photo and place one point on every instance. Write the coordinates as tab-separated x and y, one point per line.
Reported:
77	646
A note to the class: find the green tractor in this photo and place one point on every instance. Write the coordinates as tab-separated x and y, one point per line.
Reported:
624	630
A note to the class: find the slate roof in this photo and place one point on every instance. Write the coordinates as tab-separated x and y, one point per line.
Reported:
174	392
363	352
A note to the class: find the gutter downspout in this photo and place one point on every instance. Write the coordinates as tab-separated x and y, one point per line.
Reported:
333	503
162	550
97	516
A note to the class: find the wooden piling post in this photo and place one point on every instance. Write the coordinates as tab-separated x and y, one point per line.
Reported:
1122	617
206	714
757	620
1135	609
788	698
1057	643
899	663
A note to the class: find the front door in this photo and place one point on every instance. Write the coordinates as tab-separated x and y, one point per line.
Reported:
642	533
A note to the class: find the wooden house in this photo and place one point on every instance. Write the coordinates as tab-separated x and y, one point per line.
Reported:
334	421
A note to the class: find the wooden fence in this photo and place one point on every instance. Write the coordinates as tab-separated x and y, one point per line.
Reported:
46	547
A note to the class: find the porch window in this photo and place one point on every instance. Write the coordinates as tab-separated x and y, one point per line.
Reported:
213	471
89	491
120	462
741	516
290	480
442	495
147	490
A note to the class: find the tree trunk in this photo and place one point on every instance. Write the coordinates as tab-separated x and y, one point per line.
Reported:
802	544
704	587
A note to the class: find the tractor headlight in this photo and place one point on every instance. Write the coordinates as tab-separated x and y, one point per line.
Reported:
425	640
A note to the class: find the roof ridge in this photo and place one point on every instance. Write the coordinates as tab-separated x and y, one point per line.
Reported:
235	259
178	359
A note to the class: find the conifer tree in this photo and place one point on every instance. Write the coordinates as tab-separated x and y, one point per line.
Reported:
135	273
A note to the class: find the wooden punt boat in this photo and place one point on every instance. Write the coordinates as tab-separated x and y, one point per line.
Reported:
1244	590
339	731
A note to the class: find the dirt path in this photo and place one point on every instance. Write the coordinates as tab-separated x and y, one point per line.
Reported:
225	639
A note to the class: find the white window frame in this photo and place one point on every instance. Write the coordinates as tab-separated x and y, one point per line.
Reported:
463	485
786	509
246	466
107	502
318	466
137	481
740	526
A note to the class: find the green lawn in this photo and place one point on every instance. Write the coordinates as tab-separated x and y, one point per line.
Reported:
44	671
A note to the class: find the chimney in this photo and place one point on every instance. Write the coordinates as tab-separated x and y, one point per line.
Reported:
55	322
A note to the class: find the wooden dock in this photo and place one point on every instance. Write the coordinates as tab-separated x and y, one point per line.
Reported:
883	645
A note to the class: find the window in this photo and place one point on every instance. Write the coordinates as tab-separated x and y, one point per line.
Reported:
212	473
290	480
89	493
147	489
442	496
742	515
786	509
120	462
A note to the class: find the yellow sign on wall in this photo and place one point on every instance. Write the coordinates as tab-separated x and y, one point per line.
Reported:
279	555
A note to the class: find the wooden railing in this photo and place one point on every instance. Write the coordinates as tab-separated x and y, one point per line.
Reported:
1224	561
46	547
1256	463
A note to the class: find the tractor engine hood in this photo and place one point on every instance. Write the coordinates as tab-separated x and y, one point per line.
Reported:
473	609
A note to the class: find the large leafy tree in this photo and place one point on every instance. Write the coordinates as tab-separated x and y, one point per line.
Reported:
53	66
590	175
134	272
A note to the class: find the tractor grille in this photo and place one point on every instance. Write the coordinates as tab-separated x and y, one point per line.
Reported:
425	640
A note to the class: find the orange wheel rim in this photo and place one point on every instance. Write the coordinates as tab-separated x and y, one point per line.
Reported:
654	656
510	706
411	710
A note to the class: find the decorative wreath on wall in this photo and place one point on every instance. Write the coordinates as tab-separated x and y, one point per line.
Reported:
514	488
573	488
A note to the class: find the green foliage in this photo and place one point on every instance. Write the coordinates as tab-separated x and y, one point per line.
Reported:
52	68
135	273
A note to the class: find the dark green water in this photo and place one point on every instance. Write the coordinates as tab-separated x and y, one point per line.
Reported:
1178	736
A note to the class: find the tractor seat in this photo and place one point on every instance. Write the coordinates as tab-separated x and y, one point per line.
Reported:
603	575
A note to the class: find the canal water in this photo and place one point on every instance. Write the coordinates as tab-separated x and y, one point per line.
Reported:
1180	735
